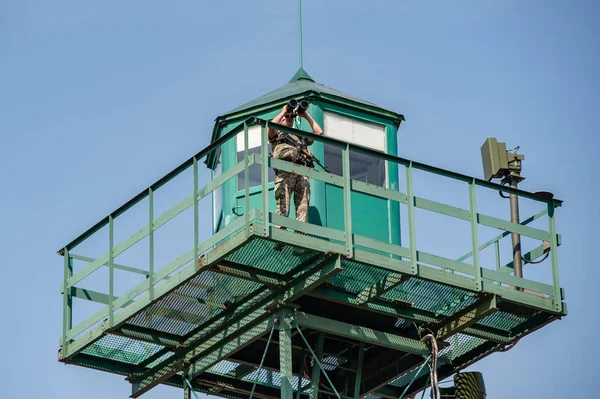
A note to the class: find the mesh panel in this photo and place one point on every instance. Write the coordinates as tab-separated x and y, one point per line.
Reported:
122	349
259	253
437	298
356	276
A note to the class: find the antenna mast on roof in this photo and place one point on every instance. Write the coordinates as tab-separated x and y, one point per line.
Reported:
300	30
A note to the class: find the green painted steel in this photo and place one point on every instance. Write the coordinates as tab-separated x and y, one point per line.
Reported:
285	354
375	275
475	219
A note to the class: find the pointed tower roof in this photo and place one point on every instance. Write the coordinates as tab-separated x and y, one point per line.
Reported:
303	84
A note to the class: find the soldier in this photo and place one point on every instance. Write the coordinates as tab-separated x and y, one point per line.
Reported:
286	183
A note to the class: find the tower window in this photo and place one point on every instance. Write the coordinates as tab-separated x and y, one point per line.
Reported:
253	148
363	167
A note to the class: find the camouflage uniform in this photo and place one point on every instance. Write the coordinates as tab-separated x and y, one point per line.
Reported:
288	184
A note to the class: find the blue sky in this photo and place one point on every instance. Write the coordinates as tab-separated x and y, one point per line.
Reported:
100	99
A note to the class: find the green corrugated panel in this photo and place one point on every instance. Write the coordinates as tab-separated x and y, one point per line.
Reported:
122	349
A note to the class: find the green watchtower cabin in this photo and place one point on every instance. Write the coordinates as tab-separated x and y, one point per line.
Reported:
182	285
342	117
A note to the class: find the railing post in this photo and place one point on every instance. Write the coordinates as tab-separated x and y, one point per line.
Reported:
554	258
151	243
497	248
412	234
347	200
246	182
67	299
264	149
196	231
474	236
111	271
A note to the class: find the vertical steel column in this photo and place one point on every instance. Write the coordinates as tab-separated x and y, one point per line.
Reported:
347	200
475	236
300	375
264	149
246	182
516	238
412	234
67	299
151	243
316	371
111	271
359	366
196	231
214	203
285	355
554	258
497	248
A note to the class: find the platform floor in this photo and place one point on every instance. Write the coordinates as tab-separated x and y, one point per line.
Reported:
245	269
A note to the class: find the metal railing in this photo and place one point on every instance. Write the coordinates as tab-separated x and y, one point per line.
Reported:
404	259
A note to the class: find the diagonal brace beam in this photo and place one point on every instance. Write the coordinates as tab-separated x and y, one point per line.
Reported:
382	286
362	334
204	344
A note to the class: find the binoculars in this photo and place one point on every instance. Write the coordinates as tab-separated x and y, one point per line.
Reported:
295	108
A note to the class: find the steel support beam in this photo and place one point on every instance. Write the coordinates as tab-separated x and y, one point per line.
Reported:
208	347
459	321
248	273
362	334
285	354
316	370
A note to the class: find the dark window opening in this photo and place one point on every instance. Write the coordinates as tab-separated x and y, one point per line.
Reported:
254	175
364	168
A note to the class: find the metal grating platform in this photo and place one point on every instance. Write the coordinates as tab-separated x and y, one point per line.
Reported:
154	334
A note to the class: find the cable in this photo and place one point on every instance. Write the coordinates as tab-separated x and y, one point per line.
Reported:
536	262
435	389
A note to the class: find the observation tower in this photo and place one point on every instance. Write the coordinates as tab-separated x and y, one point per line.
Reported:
182	286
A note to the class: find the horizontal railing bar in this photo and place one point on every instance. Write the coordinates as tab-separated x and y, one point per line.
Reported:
305	171
513	227
520	282
443	209
445	263
156	185
362	187
89	295
519	297
381	246
116	266
504	234
307	228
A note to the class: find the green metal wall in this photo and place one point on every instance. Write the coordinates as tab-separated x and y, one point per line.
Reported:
372	217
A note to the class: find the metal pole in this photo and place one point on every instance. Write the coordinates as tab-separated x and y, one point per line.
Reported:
516	238
300	30
359	366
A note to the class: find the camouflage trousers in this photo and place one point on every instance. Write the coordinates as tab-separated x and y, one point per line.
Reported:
286	185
